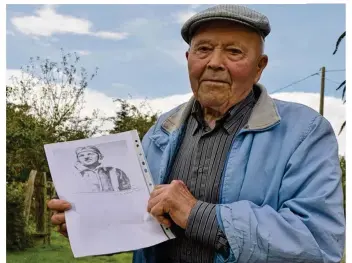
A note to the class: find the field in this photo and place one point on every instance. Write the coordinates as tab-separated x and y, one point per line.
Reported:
60	252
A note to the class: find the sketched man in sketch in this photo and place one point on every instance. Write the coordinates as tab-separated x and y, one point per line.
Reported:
99	178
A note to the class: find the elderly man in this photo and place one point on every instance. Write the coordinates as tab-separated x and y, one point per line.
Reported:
240	177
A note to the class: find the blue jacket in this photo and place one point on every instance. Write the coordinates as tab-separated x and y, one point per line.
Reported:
281	198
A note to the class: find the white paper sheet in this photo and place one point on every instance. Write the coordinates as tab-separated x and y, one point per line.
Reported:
108	186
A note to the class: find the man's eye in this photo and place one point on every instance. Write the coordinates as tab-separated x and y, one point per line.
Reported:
234	51
204	49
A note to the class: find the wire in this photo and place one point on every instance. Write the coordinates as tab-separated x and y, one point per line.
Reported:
338	83
314	74
335	70
295	82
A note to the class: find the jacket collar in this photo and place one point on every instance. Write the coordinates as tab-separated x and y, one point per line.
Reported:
264	114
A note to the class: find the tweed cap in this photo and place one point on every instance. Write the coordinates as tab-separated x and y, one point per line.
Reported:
236	13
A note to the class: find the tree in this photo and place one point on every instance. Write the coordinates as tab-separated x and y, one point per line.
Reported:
43	106
129	117
18	232
343	83
25	136
55	92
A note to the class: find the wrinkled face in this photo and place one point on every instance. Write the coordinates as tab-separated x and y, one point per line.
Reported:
224	61
88	158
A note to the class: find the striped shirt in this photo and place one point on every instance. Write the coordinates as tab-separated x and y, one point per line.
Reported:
199	164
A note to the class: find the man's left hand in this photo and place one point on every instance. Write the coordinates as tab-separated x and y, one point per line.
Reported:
173	199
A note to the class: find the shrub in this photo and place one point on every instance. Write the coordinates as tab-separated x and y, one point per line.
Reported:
18	235
343	169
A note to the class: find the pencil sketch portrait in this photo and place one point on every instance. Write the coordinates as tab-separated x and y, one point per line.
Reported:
93	176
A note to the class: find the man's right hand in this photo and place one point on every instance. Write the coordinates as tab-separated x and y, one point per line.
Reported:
59	207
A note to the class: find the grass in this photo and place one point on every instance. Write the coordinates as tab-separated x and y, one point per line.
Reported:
60	252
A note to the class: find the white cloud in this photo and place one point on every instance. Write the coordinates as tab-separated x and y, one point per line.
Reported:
111	35
164	104
14	73
334	110
48	22
83	52
98	100
10	73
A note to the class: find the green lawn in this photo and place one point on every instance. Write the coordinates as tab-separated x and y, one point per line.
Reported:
60	252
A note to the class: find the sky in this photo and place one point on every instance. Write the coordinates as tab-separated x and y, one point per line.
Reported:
140	53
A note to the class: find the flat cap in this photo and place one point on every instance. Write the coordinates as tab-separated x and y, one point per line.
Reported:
88	149
235	13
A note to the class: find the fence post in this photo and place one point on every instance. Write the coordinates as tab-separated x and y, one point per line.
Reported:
50	193
39	206
45	210
29	194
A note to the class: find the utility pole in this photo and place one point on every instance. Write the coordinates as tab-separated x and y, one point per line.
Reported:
322	91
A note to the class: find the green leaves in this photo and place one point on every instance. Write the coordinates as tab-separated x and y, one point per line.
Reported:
25	135
18	235
343	179
129	117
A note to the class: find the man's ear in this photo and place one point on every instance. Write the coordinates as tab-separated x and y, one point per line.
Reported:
187	54
263	61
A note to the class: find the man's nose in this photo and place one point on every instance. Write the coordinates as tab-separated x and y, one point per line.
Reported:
216	61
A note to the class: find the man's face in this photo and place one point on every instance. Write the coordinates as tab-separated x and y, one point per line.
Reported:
224	61
88	158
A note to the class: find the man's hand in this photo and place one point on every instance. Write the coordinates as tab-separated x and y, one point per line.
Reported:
173	199
59	207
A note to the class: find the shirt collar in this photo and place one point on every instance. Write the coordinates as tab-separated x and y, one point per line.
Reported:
237	112
229	119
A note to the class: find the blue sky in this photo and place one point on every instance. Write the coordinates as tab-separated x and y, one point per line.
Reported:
139	49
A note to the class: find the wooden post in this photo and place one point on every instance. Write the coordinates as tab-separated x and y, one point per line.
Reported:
50	190
29	194
45	210
322	91
39	207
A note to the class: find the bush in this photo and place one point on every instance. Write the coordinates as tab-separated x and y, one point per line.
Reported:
18	235
343	169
